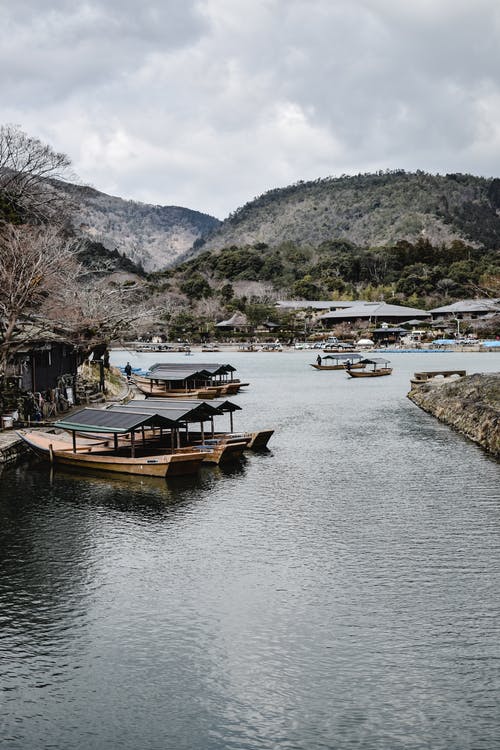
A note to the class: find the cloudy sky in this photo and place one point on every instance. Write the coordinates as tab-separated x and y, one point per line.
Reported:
208	103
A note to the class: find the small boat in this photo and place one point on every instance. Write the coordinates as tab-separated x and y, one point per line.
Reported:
338	361
378	369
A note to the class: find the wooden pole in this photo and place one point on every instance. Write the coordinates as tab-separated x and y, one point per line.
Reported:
132	444
73	434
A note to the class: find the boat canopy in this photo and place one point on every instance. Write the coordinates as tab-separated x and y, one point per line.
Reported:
210	367
177	414
375	361
342	357
217	405
187	373
108	420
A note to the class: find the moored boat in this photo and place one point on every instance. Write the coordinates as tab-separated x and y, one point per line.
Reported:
178	380
105	451
338	361
379	368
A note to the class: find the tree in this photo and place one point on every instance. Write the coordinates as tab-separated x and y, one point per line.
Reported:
45	288
36	263
26	166
94	312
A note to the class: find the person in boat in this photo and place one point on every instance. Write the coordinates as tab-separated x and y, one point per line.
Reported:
348	364
318	360
128	371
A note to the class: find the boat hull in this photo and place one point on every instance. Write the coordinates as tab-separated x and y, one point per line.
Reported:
336	367
370	373
98	455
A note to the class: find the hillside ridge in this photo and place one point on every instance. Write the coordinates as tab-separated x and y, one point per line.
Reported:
369	210
152	236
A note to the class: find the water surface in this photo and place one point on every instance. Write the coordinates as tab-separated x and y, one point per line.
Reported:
339	591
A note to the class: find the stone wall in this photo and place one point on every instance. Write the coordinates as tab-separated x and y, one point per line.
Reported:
471	405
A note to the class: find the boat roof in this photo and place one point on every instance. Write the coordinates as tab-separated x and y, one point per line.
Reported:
177	374
107	420
220	404
353	355
213	368
375	361
176	413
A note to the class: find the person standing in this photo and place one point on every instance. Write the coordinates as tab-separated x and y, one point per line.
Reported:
128	371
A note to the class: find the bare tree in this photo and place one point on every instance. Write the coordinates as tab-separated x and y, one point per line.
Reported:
26	167
93	312
35	264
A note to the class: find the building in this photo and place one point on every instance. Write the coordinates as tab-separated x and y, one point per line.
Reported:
467	309
373	313
237	322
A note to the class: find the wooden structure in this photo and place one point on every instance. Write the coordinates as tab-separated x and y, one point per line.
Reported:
435	375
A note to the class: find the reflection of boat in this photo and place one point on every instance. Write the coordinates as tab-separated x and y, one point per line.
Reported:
339	362
379	368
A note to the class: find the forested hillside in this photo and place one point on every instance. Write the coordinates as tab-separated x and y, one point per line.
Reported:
369	210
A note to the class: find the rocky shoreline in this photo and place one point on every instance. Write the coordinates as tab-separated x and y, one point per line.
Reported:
471	405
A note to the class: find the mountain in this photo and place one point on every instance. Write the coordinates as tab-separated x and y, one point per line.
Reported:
368	210
153	237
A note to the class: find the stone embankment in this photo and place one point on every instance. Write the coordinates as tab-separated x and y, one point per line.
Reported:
471	405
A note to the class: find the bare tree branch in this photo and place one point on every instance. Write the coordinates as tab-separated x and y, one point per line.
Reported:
26	167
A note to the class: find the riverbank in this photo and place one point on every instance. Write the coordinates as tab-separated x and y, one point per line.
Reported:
470	405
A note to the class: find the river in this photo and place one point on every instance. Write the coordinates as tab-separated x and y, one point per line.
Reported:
341	590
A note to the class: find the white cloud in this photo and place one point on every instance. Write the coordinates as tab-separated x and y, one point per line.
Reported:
207	104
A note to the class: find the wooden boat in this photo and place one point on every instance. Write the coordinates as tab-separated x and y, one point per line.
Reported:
104	450
178	380
255	440
102	456
340	361
198	412
379	369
